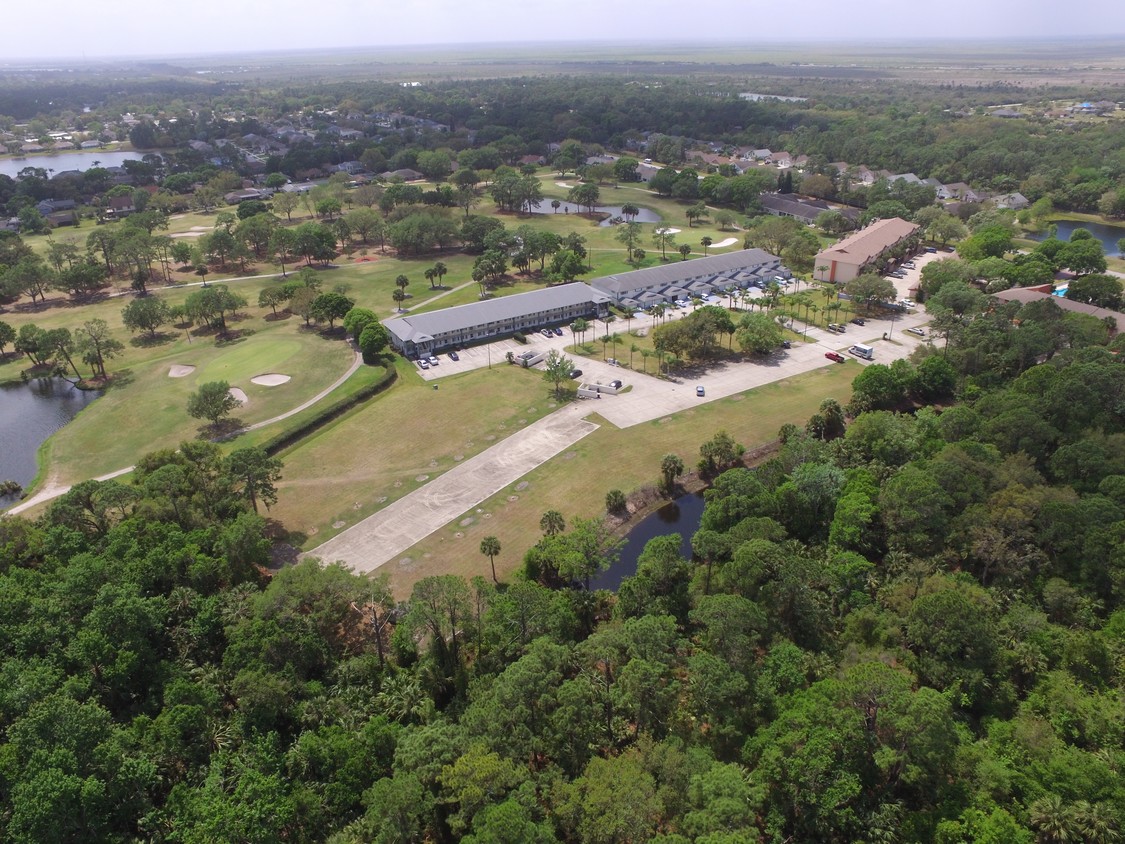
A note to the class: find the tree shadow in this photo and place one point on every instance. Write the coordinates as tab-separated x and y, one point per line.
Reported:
222	430
148	341
284	315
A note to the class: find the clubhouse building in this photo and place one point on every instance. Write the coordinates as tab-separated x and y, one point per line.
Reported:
479	322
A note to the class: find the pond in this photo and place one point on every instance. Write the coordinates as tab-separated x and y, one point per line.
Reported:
1107	234
681	516
67	161
644	215
29	413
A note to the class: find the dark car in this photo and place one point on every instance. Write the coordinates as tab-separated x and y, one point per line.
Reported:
859	321
576	373
615	384
836	356
454	356
785	344
558	332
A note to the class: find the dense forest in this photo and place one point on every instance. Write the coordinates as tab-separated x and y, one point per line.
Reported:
906	625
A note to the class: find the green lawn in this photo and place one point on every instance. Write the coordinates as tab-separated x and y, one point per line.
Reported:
575	482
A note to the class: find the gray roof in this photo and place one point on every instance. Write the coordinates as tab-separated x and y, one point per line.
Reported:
421	327
680	272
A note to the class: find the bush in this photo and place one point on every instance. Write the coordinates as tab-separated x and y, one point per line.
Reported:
615	501
519	338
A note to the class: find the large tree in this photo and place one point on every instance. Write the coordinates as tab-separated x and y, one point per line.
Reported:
212	401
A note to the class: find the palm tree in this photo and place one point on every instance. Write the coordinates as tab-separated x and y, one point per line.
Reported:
399	295
555	204
1054	821
430	274
552	523
705	242
646	354
629	211
614	339
685	250
490	547
628	313
634	348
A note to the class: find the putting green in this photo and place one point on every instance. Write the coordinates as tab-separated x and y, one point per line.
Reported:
243	361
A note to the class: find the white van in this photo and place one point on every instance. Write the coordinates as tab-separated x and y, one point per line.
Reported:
862	351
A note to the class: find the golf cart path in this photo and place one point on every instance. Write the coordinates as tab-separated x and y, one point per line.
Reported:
52	489
384	535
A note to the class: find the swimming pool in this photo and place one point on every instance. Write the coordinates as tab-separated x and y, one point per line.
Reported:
1061	291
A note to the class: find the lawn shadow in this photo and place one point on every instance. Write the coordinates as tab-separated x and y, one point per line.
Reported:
222	430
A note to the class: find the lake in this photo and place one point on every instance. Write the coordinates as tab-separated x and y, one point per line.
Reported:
681	516
68	161
29	414
1108	235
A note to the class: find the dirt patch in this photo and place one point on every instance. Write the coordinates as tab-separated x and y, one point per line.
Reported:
270	379
180	370
239	394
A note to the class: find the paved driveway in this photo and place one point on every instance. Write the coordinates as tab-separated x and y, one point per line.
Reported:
386	534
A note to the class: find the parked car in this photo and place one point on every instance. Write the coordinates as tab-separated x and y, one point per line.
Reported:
908	302
785	344
931	249
423	363
836	327
919	332
558	331
546	332
836	356
909	265
859	321
454	356
433	360
576	374
699	391
617	385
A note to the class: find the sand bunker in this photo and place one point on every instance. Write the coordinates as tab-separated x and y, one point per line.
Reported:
194	231
179	370
672	230
271	379
564	185
239	394
730	241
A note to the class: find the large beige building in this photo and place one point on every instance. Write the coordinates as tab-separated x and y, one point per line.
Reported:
863	249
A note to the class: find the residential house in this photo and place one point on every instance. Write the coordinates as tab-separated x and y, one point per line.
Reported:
788	205
862	250
62	218
940	191
1014	201
1115	319
762	154
50	206
964	193
405	174
909	178
781	159
449	328
120	206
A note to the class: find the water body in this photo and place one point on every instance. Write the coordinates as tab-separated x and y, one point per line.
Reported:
681	516
1108	235
67	161
29	413
645	215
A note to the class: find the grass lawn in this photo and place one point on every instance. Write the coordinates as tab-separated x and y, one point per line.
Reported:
375	454
575	482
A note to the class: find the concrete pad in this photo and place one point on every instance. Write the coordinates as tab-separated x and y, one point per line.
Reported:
179	370
271	379
383	536
240	395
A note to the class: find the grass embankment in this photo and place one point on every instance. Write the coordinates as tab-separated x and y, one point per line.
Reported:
575	482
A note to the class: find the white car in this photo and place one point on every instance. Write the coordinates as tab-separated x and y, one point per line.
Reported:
920	332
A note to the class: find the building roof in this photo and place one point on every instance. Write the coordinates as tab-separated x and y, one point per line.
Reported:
680	272
422	327
868	243
1024	295
804	209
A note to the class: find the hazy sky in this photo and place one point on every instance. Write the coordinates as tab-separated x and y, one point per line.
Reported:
82	28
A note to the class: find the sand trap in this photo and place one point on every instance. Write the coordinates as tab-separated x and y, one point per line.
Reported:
673	231
188	234
730	241
271	379
564	185
179	370
239	394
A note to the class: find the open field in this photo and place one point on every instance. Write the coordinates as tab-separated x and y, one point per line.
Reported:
575	482
399	440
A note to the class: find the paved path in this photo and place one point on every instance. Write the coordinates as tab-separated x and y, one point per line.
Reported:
384	535
53	490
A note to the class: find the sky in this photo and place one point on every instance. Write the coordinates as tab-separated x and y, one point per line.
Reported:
116	28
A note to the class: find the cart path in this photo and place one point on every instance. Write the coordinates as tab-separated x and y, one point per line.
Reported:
382	536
